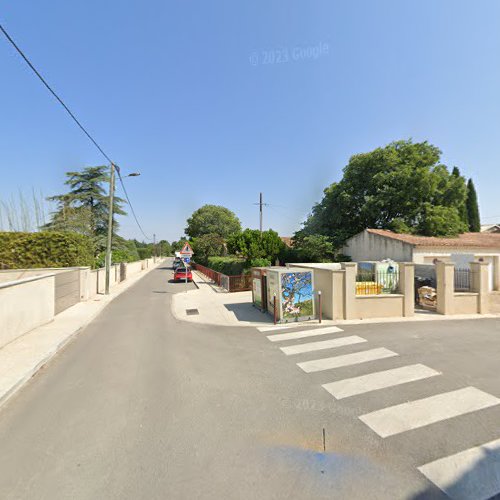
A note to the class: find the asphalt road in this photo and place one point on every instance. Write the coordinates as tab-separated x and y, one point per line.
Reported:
141	405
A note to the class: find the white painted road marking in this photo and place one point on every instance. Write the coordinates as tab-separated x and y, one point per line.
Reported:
318	365
303	333
472	474
422	412
271	328
324	344
378	380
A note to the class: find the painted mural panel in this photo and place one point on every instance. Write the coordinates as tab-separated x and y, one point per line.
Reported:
297	299
272	289
257	292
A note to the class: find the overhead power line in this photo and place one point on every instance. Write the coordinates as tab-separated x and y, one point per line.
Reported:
73	117
130	204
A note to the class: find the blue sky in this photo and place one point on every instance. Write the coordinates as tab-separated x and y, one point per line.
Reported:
188	94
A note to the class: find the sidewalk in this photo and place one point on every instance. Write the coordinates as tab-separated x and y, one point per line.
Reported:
218	307
215	306
23	357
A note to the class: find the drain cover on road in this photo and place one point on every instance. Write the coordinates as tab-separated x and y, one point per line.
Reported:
192	312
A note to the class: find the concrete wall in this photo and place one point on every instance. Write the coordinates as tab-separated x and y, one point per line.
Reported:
19	274
328	279
494	302
339	299
368	246
66	290
465	303
34	300
135	267
378	306
478	301
24	305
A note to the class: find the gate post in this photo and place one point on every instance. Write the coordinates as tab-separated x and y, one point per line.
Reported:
480	284
407	287
445	287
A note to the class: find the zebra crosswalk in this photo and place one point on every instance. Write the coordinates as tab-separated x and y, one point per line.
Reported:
469	474
355	358
322	345
415	414
378	380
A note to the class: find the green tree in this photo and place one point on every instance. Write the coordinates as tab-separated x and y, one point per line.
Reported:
177	245
462	207
473	208
70	219
389	188
164	248
208	245
212	219
87	192
314	248
252	244
440	221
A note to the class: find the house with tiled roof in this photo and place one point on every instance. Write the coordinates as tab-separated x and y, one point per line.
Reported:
379	244
490	228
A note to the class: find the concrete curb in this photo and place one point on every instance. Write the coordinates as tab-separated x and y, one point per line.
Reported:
58	345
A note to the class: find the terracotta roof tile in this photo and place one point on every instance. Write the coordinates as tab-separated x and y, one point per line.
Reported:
287	240
485	240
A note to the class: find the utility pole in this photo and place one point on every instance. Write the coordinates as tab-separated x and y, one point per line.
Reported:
154	247
260	207
110	225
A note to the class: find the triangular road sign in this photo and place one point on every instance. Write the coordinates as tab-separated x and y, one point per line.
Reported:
186	249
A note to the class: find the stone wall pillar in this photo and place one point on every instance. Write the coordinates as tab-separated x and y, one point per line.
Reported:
351	269
480	285
407	287
496	273
84	283
445	287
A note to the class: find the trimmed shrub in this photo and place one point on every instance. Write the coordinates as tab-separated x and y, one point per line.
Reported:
144	253
229	265
259	263
45	249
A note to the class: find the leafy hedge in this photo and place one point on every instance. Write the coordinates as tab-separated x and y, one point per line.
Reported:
45	249
227	265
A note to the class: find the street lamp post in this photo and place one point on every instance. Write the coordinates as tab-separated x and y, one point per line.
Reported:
110	220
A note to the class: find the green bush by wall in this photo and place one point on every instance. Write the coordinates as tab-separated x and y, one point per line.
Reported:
45	249
227	265
145	253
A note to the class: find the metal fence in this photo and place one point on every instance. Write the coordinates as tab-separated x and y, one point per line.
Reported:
463	280
377	282
236	283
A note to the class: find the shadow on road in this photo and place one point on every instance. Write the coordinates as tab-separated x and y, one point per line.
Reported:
482	480
247	312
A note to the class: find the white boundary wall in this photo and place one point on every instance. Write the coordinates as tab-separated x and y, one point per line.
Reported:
24	305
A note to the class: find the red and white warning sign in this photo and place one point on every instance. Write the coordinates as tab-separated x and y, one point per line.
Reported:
187	250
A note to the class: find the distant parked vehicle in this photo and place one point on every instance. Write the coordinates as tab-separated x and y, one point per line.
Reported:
181	273
177	262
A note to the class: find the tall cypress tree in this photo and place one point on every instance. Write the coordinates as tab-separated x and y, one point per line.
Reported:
473	208
462	206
